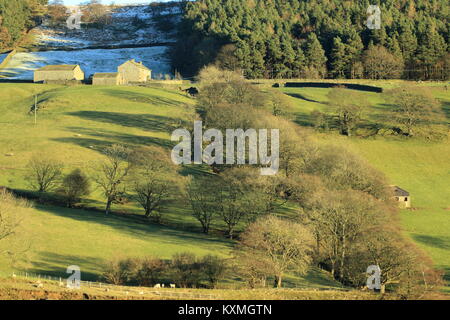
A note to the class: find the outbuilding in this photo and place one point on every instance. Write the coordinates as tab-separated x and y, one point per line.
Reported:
107	79
402	196
54	73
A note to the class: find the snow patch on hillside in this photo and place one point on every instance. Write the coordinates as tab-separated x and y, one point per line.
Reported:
53	39
131	25
142	12
22	65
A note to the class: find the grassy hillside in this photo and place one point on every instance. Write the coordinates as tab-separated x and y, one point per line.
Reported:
76	122
62	237
421	167
72	126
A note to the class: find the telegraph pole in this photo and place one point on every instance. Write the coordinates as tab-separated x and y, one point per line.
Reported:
35	109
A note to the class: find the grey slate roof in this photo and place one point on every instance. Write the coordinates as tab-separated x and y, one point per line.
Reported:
61	67
399	192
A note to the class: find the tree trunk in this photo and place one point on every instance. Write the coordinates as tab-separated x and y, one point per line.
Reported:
230	232
317	246
341	267
108	206
278	281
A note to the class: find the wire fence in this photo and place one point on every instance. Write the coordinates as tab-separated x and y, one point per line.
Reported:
110	288
148	290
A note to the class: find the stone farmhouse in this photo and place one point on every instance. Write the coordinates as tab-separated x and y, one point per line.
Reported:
133	71
59	73
402	197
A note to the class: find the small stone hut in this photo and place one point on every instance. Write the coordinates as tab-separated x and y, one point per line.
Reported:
108	79
402	196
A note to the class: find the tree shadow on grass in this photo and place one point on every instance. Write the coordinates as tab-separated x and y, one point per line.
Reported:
446	109
146	122
304	120
99	139
436	242
137	229
302	97
49	264
142	98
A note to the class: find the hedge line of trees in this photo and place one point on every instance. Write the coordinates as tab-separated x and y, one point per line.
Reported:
185	270
18	16
300	38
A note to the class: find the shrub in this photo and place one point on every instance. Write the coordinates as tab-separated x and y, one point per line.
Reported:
281	245
74	186
150	271
214	268
186	270
320	120
120	272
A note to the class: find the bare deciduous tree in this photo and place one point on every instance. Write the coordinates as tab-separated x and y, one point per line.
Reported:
349	106
202	198
339	219
281	245
57	13
44	172
13	241
413	108
240	197
153	179
110	174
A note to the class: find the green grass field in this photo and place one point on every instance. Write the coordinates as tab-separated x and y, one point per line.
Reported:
76	122
73	125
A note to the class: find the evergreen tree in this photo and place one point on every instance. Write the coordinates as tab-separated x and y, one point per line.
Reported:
315	55
339	63
292	38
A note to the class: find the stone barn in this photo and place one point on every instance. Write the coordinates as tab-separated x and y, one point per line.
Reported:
133	71
108	79
59	73
402	197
